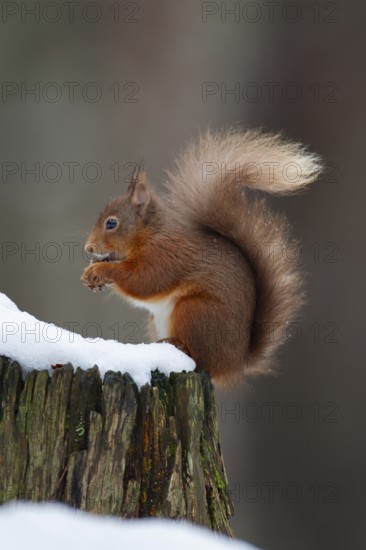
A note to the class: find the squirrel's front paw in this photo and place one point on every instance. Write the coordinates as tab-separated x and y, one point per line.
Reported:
95	277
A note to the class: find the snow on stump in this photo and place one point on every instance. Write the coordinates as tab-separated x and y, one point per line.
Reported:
111	448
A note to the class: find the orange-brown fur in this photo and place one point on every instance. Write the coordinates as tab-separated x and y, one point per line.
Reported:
205	246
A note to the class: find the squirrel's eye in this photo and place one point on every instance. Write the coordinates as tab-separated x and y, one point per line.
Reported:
111	224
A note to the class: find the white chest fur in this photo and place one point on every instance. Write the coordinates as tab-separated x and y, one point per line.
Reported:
161	310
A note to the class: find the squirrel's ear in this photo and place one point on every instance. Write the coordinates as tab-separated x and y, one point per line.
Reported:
139	191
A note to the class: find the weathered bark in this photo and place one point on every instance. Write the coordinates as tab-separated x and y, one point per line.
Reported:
111	449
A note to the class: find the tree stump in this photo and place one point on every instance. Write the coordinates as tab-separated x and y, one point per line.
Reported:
110	448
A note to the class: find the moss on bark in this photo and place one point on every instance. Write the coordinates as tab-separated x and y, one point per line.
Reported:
108	448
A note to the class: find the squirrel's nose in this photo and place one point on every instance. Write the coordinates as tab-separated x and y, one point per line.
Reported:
89	249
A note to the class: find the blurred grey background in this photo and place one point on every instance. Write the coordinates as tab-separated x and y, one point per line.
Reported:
116	81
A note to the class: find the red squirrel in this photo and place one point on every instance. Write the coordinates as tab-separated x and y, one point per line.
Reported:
207	259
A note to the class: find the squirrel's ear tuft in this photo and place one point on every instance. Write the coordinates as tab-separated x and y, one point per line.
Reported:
139	191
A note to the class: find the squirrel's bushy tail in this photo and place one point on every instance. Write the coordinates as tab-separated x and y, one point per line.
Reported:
207	187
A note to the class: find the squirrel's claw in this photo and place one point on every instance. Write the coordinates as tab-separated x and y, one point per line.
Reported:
94	277
96	288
